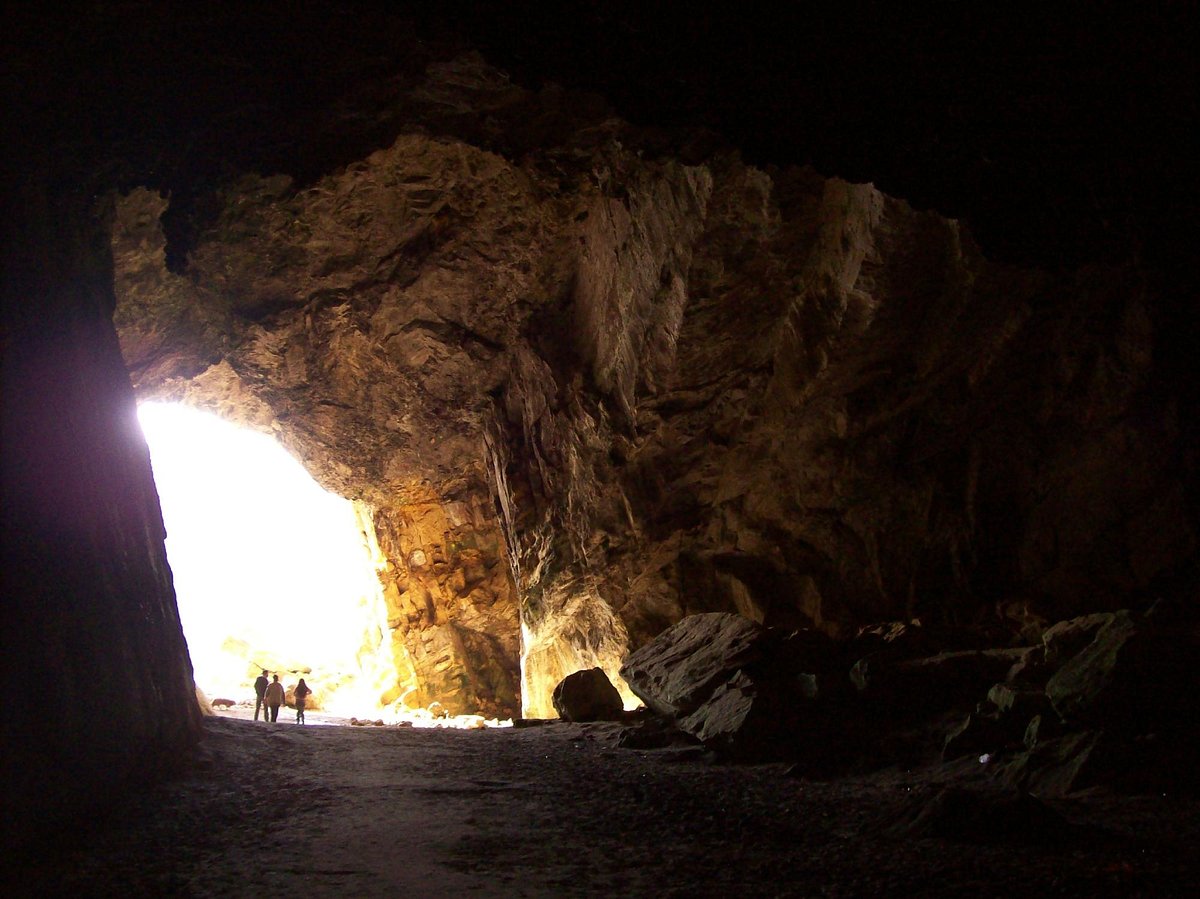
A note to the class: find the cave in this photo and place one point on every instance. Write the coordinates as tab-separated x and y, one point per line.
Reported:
864	342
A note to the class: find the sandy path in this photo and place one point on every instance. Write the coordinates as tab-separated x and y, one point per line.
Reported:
558	810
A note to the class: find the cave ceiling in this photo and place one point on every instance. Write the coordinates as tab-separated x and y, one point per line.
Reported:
983	114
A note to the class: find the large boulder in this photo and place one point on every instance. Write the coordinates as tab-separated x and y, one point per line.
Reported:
1132	677
746	691
312	702
1121	707
681	668
587	696
746	718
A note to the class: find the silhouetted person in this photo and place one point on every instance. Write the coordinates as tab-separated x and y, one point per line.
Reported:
300	694
274	698
260	690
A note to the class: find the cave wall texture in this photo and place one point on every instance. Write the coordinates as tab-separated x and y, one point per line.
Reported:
94	661
600	318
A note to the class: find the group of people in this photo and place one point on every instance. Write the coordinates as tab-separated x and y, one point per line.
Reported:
270	696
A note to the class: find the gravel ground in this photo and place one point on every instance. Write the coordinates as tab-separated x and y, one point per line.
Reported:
560	810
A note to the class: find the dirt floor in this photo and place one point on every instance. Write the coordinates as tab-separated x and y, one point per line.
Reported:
560	810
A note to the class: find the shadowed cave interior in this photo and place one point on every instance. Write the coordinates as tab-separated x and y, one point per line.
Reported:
823	381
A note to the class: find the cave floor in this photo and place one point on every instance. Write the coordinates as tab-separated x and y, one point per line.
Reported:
559	810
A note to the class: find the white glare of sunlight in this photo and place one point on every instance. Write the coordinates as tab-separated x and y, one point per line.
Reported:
262	556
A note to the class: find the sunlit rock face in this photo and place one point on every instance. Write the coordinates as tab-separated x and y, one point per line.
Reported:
588	388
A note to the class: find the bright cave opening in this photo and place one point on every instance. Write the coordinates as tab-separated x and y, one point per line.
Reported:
271	571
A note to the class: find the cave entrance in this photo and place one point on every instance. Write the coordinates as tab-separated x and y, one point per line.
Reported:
270	570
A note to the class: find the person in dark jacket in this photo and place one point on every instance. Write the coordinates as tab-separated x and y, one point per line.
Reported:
300	695
274	698
260	690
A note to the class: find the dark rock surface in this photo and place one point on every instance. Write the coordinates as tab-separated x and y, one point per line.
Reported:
587	696
93	662
919	686
1119	711
679	670
744	691
1131	677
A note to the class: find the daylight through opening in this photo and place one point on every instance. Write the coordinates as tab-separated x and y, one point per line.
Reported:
271	571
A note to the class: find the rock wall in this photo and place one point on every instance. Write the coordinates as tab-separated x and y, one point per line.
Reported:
854	416
97	683
652	388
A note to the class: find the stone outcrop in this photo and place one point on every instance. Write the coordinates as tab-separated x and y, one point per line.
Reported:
924	684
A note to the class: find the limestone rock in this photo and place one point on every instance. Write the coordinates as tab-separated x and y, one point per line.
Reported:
733	717
587	696
312	703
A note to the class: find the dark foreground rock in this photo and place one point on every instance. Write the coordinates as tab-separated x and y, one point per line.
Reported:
587	696
918	686
678	671
1132	676
1117	705
1107	699
746	691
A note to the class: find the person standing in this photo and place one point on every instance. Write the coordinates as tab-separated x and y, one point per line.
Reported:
260	690
300	694
274	697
